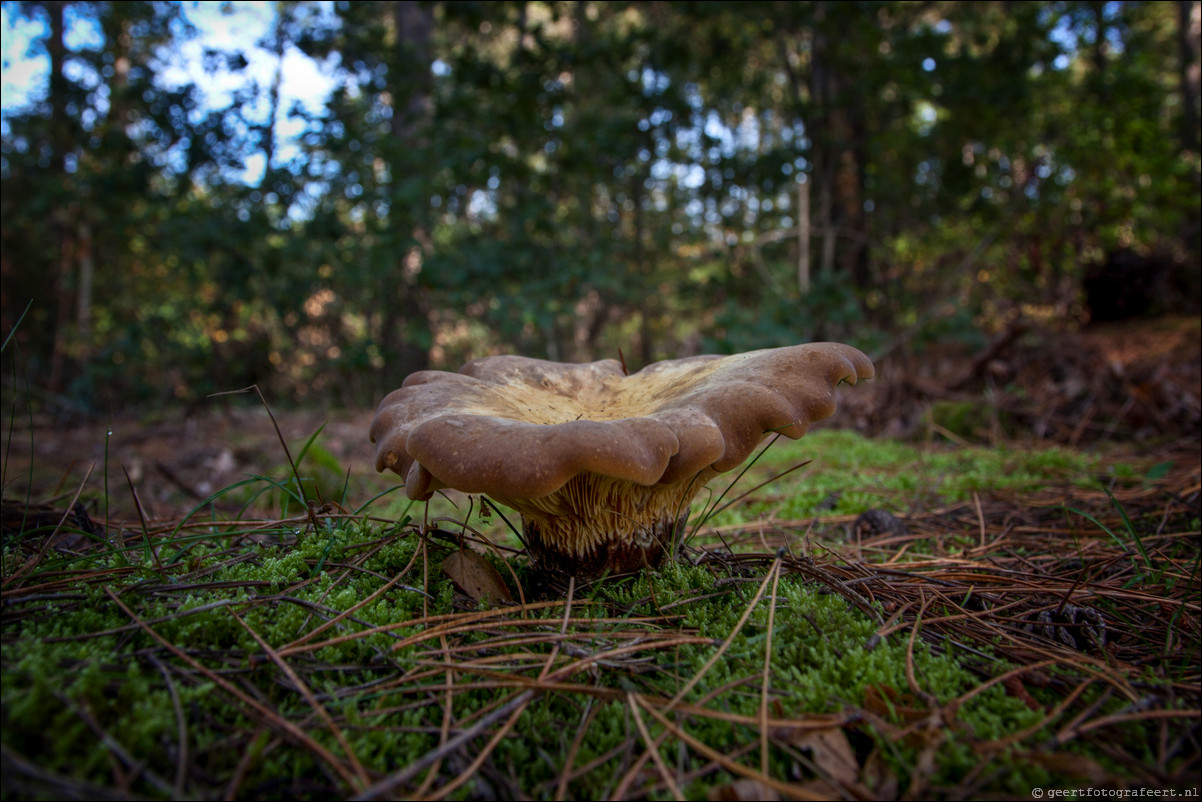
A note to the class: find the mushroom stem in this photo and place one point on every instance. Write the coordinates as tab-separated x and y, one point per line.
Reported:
596	525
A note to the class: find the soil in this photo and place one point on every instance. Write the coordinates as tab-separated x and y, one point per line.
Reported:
1136	384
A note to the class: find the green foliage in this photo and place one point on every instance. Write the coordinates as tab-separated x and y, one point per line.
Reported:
573	179
770	317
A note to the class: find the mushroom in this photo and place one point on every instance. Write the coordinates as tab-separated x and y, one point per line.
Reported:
601	465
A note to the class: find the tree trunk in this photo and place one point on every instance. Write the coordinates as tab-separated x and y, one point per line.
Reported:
803	235
274	100
1189	32
836	131
87	278
60	146
408	317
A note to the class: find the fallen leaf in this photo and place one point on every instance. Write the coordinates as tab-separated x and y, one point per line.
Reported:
889	703
1068	764
1014	687
474	576
743	790
831	752
878	778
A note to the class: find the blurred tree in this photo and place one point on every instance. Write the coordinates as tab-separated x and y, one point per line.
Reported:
372	158
559	216
81	171
577	180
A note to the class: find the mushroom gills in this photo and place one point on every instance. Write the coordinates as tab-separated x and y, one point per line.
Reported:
596	524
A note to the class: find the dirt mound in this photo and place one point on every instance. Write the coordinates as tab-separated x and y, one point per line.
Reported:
1124	382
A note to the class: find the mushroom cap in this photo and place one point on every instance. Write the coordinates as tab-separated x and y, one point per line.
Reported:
513	428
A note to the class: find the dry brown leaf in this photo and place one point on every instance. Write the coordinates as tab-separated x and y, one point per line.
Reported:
887	702
475	576
831	753
743	790
1066	763
878	778
1014	687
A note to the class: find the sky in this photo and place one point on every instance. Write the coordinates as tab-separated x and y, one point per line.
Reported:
226	26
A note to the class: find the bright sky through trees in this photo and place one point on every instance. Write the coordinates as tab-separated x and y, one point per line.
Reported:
228	27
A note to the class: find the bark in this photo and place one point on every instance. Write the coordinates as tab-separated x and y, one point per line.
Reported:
274	100
836	131
409	86
1189	30
803	236
60	144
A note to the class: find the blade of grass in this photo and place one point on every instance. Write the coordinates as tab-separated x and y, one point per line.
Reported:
711	510
764	684
149	553
284	443
1139	541
512	528
28	566
16	325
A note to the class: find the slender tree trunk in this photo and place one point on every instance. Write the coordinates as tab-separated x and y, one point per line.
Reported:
1189	42
825	133
647	302
274	99
87	277
60	145
827	264
1189	31
836	134
855	221
803	235
408	317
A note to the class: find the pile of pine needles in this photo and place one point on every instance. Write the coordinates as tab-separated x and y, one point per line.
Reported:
1086	609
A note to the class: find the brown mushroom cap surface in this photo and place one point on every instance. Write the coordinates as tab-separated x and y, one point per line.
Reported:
557	440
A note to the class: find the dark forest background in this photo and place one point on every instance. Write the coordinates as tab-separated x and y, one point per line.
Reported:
575	180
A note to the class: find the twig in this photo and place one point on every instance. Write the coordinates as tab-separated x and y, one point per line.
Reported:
652	748
181	726
767	673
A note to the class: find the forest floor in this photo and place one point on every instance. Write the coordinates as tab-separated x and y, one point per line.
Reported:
1134	387
990	587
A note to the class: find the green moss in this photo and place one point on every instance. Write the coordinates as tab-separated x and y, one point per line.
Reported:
823	660
849	473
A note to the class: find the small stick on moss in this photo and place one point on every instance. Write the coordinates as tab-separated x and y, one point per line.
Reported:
734	767
444	732
33	561
181	764
767	672
565	777
652	748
